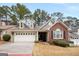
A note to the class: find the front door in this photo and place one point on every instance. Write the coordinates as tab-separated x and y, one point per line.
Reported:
42	36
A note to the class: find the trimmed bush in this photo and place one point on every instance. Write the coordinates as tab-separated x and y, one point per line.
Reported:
71	42
6	37
61	43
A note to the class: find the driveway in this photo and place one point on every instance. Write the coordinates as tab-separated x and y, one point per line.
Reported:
18	48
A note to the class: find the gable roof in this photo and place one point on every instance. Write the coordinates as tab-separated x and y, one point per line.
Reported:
61	23
47	26
6	27
73	35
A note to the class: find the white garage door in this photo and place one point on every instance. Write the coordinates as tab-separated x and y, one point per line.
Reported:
76	42
24	37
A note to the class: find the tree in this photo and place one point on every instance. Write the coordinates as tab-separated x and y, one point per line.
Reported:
72	21
57	16
69	17
40	16
43	15
14	18
21	10
0	12
1	15
18	12
36	14
4	12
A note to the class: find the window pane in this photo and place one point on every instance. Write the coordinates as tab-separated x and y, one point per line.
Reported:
57	34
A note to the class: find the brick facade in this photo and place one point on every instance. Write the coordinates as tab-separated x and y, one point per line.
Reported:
60	26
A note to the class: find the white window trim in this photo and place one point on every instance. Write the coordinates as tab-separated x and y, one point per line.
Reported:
56	37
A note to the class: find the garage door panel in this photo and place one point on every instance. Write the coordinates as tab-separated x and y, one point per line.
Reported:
24	38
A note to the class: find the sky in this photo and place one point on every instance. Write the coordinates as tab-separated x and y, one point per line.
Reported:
68	9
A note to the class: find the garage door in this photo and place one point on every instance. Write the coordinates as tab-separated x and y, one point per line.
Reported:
24	37
76	42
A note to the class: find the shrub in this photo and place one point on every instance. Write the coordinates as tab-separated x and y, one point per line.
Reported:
71	42
61	43
50	42
6	37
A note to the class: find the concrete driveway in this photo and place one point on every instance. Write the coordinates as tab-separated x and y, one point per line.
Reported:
17	49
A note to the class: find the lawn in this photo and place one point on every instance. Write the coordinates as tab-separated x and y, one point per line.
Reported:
44	49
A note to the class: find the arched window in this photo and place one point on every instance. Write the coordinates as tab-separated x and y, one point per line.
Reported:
58	34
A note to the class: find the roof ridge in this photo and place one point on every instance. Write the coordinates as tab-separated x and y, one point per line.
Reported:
45	24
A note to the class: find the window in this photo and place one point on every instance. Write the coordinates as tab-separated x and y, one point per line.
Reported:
58	34
21	24
31	33
16	33
23	33
26	33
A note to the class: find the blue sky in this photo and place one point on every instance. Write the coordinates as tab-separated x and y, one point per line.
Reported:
71	9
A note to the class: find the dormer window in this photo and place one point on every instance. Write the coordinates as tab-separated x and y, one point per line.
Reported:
21	25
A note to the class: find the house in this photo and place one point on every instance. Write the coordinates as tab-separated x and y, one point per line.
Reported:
47	32
29	21
5	22
56	30
74	32
3	30
3	27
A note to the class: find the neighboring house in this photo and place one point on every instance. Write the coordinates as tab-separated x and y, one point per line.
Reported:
3	30
74	32
4	27
75	35
47	32
4	22
75	38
